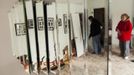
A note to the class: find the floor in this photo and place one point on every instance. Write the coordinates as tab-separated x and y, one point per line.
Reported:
92	64
121	66
89	64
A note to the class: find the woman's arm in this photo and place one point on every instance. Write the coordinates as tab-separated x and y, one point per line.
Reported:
117	27
128	29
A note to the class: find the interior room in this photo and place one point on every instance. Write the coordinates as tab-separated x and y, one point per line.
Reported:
63	37
117	62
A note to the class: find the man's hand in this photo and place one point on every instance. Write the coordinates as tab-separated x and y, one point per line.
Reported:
89	37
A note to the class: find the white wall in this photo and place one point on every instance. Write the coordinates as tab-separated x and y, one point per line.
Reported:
92	4
71	1
119	7
8	63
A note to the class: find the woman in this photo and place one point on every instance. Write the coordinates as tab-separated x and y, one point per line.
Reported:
124	29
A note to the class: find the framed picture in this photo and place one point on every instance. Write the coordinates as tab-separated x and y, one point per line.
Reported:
65	22
20	29
30	23
50	24
40	23
59	22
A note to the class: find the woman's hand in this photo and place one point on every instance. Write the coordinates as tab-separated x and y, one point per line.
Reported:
119	33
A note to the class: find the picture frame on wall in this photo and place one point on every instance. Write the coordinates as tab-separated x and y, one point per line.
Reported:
50	24
30	23
40	23
65	22
20	29
59	22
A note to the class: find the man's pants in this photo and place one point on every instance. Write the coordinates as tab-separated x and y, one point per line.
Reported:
124	48
96	44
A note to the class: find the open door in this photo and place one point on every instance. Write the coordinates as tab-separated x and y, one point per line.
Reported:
99	14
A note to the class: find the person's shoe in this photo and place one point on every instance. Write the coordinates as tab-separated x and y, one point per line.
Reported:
126	57
121	55
100	53
93	53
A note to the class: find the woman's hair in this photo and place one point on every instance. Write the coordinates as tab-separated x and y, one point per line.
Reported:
125	14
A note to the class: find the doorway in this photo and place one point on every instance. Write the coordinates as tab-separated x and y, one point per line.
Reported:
99	14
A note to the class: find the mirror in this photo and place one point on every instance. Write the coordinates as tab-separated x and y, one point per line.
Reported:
121	64
98	30
52	36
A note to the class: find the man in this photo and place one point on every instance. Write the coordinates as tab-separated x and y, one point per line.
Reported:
95	33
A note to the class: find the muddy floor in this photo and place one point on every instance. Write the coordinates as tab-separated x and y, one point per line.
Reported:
92	64
89	64
120	66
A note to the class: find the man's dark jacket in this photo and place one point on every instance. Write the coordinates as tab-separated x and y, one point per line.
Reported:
95	28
